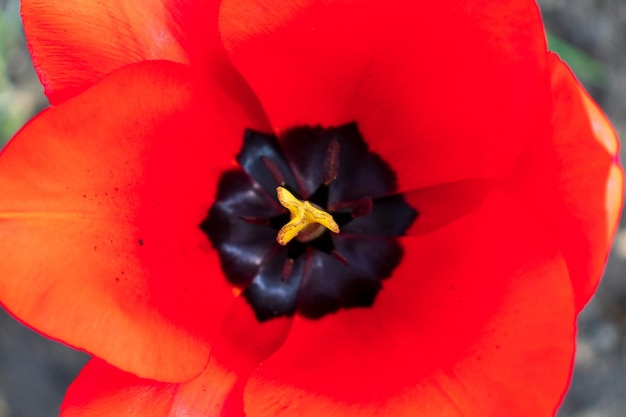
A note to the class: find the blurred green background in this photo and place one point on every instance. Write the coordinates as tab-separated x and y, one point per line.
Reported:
20	92
589	34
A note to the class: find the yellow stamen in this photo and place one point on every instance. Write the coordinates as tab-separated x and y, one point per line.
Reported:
305	219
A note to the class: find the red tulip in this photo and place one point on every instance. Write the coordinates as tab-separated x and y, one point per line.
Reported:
474	186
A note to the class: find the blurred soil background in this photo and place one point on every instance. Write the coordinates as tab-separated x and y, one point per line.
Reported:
34	372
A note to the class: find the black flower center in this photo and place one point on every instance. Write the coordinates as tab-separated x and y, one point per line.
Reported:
309	223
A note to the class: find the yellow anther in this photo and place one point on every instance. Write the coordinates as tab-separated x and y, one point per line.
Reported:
306	219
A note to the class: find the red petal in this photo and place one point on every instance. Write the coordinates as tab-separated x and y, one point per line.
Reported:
442	204
75	43
102	390
478	320
102	199
446	91
590	180
244	342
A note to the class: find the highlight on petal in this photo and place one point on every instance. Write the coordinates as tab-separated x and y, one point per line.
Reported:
614	199
470	317
588	180
74	43
442	107
99	221
603	130
605	134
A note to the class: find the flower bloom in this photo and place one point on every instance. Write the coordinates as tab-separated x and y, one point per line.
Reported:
469	185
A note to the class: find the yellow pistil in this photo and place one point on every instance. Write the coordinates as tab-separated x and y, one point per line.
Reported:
307	221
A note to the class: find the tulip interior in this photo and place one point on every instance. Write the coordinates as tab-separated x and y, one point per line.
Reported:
309	222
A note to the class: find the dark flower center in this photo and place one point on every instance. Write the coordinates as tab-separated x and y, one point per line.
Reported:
309	222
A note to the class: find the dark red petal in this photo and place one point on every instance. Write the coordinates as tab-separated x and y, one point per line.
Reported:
477	321
75	43
102	390
102	198
442	204
244	342
590	180
445	91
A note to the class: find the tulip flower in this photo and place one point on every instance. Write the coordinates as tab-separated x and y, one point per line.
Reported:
346	208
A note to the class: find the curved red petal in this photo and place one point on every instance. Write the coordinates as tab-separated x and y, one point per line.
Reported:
74	43
589	180
99	221
102	390
442	204
475	311
446	91
244	342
